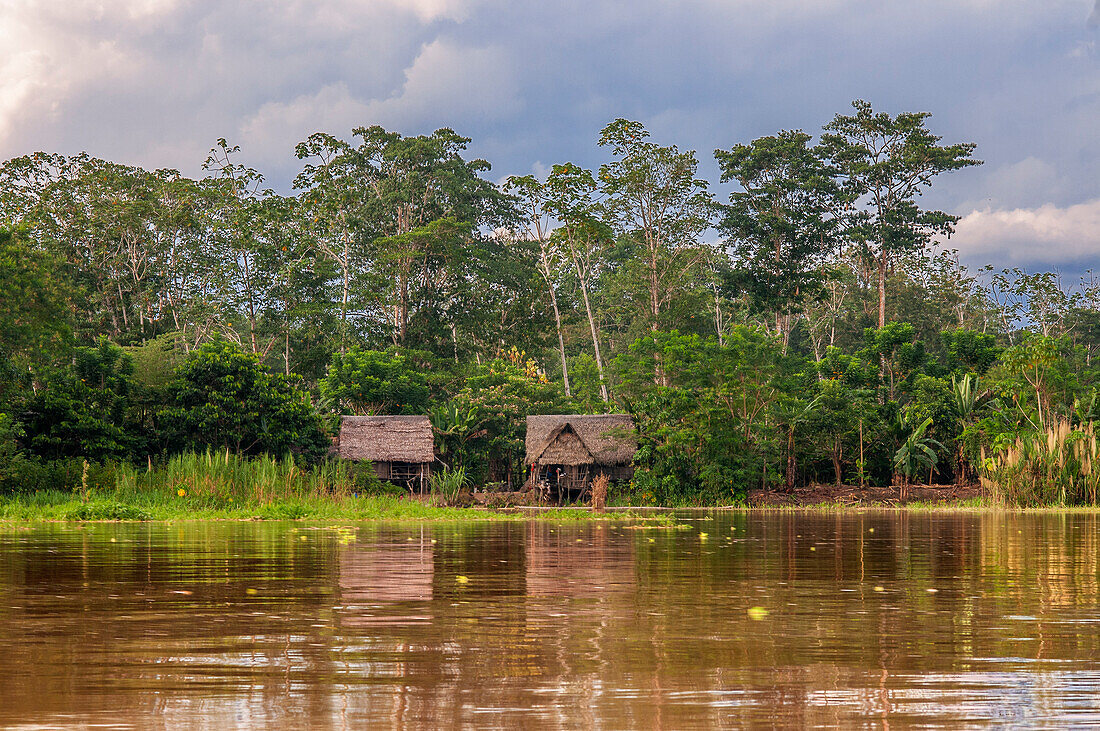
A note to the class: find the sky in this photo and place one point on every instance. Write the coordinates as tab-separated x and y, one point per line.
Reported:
156	82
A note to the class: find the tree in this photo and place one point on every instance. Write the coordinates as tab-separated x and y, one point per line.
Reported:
917	453
706	429
536	221
884	164
33	322
236	210
366	382
582	236
899	352
653	195
82	410
224	398
495	402
782	223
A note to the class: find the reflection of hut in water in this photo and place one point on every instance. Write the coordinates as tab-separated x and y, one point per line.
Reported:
558	565
401	448
387	573
566	452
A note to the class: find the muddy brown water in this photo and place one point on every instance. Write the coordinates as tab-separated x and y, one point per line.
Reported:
777	620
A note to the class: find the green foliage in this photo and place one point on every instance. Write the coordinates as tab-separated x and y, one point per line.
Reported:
781	221
454	427
901	355
918	453
1055	466
845	416
1038	379
105	510
82	411
969	351
884	165
703	412
372	382
500	396
33	323
225	398
937	400
446	486
398	278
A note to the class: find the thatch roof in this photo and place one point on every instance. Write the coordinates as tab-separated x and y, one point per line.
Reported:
571	439
387	438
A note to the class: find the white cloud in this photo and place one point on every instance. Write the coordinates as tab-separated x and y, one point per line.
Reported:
46	52
1049	235
428	10
445	82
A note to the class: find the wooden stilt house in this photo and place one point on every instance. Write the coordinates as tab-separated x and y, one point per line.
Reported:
401	448
566	452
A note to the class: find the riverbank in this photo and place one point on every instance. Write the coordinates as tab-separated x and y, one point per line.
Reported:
56	505
969	496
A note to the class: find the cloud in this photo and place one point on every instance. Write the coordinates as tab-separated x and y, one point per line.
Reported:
155	82
1048	235
447	84
428	10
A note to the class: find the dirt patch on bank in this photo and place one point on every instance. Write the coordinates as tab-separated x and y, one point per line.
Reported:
856	495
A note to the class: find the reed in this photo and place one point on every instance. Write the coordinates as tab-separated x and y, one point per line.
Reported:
1052	467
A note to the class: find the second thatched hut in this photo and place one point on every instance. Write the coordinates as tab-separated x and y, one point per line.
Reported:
566	452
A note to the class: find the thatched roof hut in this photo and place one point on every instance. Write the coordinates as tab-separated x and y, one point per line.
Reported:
605	440
401	448
387	438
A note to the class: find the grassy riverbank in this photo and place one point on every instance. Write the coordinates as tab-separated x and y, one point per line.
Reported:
56	505
226	487
222	486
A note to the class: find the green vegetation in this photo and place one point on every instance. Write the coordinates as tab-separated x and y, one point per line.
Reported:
160	333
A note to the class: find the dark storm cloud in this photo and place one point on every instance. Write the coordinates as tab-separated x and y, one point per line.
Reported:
156	81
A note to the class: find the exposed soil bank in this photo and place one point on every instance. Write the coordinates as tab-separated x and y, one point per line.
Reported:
855	495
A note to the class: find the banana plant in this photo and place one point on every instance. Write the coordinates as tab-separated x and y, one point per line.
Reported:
917	453
453	427
968	402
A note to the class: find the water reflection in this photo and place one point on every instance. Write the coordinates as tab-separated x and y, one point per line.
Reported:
739	619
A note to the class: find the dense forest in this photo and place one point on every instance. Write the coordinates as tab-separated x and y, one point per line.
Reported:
804	322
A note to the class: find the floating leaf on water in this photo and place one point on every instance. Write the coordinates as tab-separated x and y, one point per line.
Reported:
758	613
250	591
880	588
462	579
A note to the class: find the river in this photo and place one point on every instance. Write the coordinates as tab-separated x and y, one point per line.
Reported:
794	619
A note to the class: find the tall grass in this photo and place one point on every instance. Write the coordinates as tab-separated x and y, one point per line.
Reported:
446	486
1055	467
216	479
222	485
